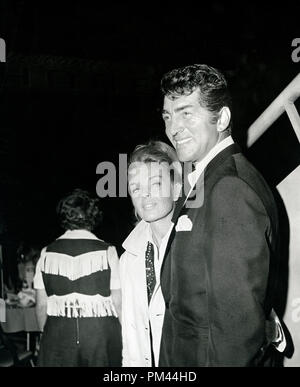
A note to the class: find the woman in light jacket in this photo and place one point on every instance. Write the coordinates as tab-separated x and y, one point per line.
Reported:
153	180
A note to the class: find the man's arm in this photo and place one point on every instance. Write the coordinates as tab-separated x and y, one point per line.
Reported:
237	254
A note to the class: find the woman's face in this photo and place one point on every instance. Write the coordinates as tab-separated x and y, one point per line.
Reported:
151	189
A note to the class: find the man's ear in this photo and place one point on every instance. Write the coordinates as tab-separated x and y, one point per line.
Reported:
224	119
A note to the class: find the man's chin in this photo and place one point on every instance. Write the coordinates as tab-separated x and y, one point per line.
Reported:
184	154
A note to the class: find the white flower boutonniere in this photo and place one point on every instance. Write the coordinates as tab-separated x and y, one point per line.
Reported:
184	224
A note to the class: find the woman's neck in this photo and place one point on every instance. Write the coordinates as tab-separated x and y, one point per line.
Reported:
160	227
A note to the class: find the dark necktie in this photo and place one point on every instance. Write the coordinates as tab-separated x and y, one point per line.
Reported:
150	271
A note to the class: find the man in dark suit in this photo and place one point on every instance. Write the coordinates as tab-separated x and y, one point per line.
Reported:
220	269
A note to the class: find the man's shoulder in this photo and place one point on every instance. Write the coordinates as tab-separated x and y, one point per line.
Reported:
239	167
240	176
250	175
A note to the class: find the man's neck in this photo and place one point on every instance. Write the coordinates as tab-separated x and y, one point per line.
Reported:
200	165
222	143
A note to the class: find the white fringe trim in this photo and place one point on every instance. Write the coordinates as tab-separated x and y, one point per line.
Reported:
75	267
80	305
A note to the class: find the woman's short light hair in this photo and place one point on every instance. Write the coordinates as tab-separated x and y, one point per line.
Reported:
157	151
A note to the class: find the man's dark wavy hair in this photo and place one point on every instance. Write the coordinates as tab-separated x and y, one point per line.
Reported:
212	85
79	210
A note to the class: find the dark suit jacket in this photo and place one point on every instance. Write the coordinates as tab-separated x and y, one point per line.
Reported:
218	279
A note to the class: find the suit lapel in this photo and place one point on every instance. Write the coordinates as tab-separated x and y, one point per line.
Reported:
178	207
183	194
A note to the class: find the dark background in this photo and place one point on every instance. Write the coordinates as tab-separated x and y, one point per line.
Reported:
81	85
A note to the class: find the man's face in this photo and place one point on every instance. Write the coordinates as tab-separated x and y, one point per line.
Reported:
189	127
151	190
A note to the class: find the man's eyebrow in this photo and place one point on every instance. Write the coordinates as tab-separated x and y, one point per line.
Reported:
179	109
